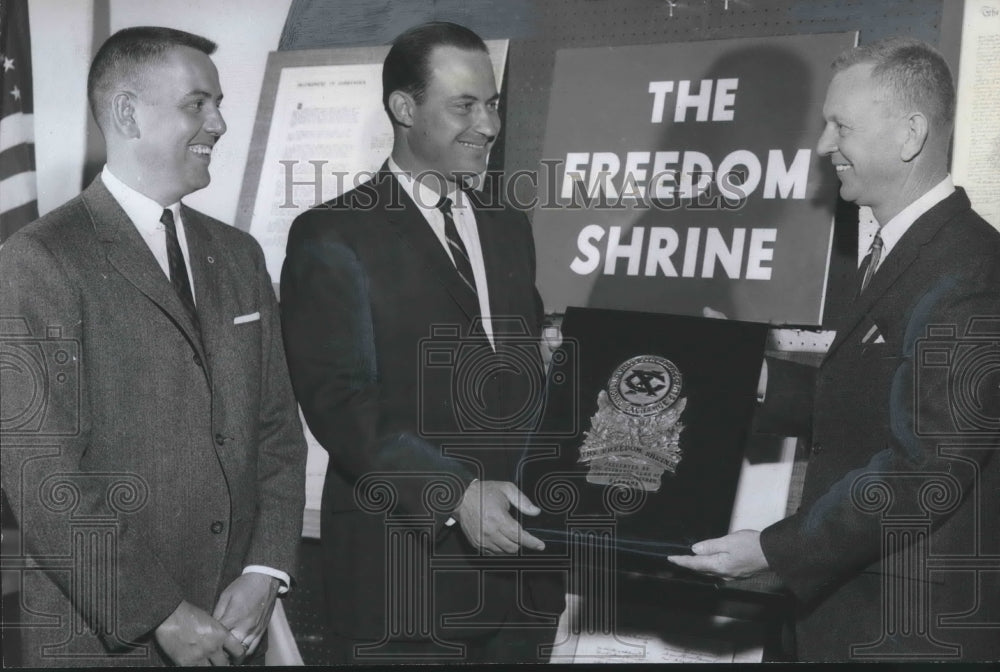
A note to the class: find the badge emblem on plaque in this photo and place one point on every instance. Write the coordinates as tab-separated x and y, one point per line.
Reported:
635	435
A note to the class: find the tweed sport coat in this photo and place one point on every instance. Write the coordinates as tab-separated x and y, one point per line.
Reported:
159	464
892	553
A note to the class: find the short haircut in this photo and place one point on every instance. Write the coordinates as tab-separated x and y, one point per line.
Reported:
914	73
122	58
407	66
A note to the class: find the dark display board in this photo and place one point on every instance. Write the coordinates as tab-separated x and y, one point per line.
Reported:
694	182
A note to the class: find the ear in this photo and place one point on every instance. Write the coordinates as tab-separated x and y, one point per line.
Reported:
916	128
401	106
123	115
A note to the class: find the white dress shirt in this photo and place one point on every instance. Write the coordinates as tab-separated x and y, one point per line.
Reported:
145	214
426	200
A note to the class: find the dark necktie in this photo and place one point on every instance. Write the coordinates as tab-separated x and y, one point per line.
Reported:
870	263
458	251
178	269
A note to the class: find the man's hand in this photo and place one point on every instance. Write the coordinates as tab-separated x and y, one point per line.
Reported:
485	519
733	556
245	608
189	636
713	313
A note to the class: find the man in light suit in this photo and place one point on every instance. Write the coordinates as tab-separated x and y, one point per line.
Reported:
892	554
372	283
158	482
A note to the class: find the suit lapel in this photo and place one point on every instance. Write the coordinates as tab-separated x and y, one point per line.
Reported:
902	257
410	225
491	243
205	257
129	254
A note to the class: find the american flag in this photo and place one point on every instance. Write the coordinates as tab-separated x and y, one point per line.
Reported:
18	190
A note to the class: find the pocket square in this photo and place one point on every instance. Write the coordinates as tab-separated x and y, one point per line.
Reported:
873	335
243	319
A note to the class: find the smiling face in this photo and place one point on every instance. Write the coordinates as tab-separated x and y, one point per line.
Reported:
178	120
863	136
454	125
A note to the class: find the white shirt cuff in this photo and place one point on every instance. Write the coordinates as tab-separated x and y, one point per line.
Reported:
285	580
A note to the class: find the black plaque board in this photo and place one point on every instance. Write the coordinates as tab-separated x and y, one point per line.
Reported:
719	362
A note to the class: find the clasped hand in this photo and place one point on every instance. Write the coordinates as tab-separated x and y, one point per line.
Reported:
190	636
484	516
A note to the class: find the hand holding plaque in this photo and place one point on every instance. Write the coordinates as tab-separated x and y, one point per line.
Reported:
735	556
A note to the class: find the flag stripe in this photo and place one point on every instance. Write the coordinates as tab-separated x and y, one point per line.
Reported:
13	220
15	129
17	190
18	193
17	159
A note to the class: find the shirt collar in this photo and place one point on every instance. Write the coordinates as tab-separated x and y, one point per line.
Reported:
144	212
901	223
425	198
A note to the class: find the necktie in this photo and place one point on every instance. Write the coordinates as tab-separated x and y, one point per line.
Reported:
458	251
870	263
178	269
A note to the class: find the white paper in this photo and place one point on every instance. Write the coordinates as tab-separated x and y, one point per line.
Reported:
714	643
976	157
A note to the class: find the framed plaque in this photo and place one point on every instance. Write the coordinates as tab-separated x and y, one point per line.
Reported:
643	434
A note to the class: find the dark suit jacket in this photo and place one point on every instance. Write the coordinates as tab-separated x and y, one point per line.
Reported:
902	465
364	284
154	466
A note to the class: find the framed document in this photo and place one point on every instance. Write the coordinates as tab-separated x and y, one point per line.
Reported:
643	433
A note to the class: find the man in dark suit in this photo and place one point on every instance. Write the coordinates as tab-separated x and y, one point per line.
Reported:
152	451
411	322
892	554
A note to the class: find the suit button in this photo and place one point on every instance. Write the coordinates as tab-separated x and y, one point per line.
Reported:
197	360
817	448
220	439
217	527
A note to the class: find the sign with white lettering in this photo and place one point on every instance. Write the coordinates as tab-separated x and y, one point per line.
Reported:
679	176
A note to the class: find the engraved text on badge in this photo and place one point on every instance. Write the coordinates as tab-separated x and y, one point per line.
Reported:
635	435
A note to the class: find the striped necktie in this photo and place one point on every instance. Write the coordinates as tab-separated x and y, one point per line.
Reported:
178	269
870	263
458	252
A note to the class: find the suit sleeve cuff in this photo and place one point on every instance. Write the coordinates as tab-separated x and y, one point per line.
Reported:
281	576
